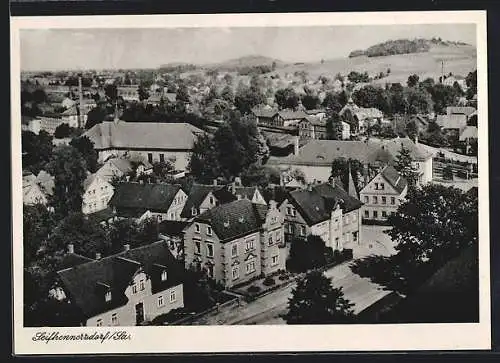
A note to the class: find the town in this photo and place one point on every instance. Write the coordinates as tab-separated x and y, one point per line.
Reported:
250	192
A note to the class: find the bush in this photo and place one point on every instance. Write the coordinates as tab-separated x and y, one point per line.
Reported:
283	277
269	281
253	289
347	254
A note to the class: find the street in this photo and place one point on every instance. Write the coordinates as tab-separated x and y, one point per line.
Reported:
360	291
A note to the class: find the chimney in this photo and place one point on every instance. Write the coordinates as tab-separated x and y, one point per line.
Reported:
233	187
126	247
237	181
416	139
71	248
97	255
296	146
214	182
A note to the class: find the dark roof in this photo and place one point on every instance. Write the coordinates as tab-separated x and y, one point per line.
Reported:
102	215
244	192
394	178
143	197
87	283
71	260
316	205
234	219
172	228
199	192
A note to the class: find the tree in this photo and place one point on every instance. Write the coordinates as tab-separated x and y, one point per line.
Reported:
37	150
246	98
404	165
315	301
227	94
442	96
182	94
334	127
143	93
62	131
203	164
412	81
38	222
432	226
418	101
111	92
287	98
340	169
95	116
69	170
310	102
372	96
411	130
86	149
335	101
471	82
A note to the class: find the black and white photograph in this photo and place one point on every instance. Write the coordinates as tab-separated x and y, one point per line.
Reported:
325	174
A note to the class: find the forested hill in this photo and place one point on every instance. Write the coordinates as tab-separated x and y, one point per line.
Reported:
403	46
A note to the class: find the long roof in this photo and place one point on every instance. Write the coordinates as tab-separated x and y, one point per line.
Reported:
234	219
87	283
143	135
453	121
199	192
142	197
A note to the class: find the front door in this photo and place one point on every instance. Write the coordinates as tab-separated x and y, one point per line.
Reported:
139	313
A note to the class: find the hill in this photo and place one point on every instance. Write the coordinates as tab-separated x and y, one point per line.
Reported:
402	46
247	62
458	59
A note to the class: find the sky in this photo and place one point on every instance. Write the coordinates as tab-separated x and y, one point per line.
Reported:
73	49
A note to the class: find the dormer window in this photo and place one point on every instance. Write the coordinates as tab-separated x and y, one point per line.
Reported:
197	228
194	211
107	296
164	275
209	230
211	201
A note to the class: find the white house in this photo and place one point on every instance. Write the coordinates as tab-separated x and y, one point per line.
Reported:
97	194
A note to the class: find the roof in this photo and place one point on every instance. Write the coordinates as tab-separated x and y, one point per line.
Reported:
468	132
315	111
316	121
417	152
123	165
234	219
171	97
197	195
46	182
143	135
263	112
143	197
172	228
71	260
453	121
86	283
316	205
361	112
89	180
72	111
102	215
292	115
244	192
279	140
394	178
460	110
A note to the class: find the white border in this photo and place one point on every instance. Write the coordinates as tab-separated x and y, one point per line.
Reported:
260	338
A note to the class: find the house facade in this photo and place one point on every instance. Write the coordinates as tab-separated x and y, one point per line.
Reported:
360	118
160	201
324	210
126	289
236	241
96	195
153	142
382	196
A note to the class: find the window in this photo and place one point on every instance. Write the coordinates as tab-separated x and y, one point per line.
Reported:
382	186
210	270
336	241
393	200
250	267
294	212
367	200
197	247
210	250
162	158
114	319
270	241
160	301
274	260
347	237
288	211
234	250
134	289
375	214
164	275
235	272
355	236
150	157
209	230
384	200
250	244
107	296
141	285
172	296
375	199
278	236
346	219
376	186
197	228
211	200
302	230
384	214
99	322
354	217
367	214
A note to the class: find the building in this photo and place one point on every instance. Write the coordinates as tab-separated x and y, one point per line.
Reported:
360	118
325	210
73	117
119	167
33	194
204	197
318	112
312	128
382	196
315	158
97	193
288	118
138	200
128	92
152	141
236	242
264	115
468	134
468	111
451	124
126	289
30	124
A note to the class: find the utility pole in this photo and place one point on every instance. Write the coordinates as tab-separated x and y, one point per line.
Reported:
80	101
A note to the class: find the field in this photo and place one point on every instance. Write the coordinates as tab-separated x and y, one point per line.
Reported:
459	60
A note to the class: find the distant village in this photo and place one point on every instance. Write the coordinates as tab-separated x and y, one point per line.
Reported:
174	195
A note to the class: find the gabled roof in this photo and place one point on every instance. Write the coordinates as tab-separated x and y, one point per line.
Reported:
316	121
292	115
392	176
263	112
234	219
315	111
197	195
417	152
468	132
244	192
453	121
460	110
71	260
87	283
142	197
143	135
317	204
123	165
